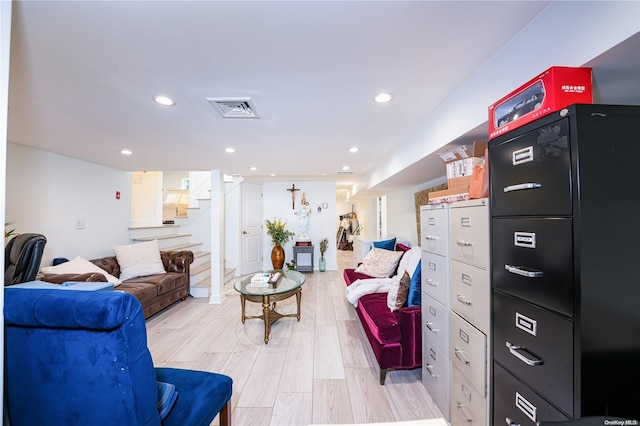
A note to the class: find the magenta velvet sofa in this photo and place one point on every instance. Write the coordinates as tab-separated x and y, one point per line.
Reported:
395	337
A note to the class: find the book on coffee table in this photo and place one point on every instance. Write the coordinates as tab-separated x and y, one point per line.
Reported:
266	279
261	278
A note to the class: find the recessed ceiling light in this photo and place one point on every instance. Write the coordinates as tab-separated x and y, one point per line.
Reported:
345	167
253	168
126	152
164	100
381	98
354	149
272	175
229	150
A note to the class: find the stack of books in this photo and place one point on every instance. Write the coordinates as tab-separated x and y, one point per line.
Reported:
266	279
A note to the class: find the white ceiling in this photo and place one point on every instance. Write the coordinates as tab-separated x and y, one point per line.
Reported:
83	74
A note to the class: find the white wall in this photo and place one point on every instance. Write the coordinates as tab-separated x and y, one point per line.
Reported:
401	217
277	203
5	38
146	191
173	180
46	193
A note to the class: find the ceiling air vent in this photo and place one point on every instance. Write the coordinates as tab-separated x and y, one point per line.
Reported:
234	107
345	172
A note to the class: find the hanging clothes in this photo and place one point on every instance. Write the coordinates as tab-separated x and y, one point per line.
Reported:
347	231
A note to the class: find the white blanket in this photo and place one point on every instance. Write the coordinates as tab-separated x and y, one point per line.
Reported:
367	286
359	288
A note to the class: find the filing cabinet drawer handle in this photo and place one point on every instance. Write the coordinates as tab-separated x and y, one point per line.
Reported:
429	368
430	238
458	354
511	422
519	270
462	408
521	186
464	300
462	243
515	351
431	282
429	326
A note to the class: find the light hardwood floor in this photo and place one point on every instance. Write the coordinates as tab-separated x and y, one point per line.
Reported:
319	370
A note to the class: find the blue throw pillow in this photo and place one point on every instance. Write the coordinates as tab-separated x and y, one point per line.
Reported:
414	298
167	396
386	244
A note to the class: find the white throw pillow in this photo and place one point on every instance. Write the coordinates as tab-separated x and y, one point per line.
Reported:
139	260
79	266
380	263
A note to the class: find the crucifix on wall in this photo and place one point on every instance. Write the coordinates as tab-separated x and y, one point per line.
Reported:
293	190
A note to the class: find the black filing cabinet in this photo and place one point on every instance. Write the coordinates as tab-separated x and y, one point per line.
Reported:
565	266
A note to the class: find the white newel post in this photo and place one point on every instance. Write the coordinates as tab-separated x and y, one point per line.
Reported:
217	237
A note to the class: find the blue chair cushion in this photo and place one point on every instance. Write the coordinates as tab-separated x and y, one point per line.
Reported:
201	395
167	396
414	298
385	244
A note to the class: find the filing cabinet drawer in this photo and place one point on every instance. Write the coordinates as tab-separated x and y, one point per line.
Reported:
435	277
470	233
532	259
536	346
531	174
468	407
435	374
515	403
471	294
468	351
435	322
434	229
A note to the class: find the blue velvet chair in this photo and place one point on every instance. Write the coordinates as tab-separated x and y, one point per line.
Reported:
81	358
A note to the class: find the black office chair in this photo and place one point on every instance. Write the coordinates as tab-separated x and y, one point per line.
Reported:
22	257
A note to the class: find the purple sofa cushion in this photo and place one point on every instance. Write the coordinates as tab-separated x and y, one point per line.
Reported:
350	275
382	323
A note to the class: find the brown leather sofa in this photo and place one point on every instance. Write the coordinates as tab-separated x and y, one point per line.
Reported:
155	292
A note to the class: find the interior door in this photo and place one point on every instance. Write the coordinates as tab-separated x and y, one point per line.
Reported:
251	228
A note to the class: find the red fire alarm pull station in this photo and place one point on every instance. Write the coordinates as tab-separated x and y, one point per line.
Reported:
117	195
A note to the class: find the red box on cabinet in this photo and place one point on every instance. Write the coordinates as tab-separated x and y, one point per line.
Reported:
550	91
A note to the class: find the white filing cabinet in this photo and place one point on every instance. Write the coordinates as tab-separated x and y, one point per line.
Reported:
469	325
434	242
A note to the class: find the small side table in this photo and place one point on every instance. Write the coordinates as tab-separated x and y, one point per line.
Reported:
303	256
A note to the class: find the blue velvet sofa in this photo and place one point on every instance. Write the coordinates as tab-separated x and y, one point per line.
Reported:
81	358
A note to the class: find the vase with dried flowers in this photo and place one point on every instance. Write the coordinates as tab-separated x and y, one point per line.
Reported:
322	264
277	230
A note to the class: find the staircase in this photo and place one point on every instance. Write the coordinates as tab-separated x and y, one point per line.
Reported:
188	233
